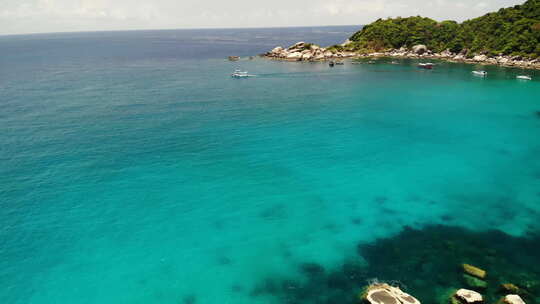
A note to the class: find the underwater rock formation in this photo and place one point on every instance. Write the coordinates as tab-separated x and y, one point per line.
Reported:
386	294
428	262
474	271
474	283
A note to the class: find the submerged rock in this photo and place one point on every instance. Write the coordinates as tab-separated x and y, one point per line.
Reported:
474	271
510	288
512	299
474	283
386	294
466	296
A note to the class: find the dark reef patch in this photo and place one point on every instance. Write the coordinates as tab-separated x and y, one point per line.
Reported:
380	200
425	262
277	211
224	261
189	299
538	114
357	220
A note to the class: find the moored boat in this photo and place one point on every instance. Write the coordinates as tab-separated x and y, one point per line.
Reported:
524	77
331	64
480	73
240	74
427	66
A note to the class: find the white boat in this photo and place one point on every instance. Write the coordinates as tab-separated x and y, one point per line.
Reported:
480	73
427	66
524	77
240	74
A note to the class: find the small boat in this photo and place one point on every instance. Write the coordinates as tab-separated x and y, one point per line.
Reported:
339	63
371	62
240	74
234	58
427	66
524	77
480	73
331	64
394	62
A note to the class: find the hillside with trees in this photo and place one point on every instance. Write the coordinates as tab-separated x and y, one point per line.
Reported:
509	31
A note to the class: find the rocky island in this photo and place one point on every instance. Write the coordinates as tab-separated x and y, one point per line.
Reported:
509	37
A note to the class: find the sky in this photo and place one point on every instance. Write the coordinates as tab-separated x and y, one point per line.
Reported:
38	16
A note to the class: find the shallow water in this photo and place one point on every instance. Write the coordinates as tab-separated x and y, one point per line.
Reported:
135	170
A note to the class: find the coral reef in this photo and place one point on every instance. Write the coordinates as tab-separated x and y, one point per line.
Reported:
429	261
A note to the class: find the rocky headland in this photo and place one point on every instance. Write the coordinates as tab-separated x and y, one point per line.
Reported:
302	51
507	37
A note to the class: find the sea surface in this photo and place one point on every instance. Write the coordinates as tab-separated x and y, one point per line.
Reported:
134	169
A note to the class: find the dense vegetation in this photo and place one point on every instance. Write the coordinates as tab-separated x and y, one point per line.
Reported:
510	31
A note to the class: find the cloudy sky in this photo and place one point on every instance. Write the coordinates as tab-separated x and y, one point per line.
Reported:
33	16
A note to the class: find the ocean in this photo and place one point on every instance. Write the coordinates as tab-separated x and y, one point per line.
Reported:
134	169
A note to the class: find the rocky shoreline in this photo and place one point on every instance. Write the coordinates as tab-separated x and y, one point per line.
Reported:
302	51
384	293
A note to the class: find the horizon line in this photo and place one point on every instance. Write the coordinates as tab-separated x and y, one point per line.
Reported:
176	29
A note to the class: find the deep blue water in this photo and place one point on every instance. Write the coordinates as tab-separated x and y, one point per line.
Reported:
133	169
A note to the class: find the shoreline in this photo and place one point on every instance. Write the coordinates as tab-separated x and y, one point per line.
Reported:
302	51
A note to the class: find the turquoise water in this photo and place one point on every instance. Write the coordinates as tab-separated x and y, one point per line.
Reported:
135	173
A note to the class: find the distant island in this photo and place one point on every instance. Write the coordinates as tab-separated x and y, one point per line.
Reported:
510	36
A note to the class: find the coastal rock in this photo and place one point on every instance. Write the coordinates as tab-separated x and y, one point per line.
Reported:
328	54
347	42
474	271
277	50
512	299
234	58
386	294
307	56
294	55
480	58
466	296
459	57
446	54
419	49
298	45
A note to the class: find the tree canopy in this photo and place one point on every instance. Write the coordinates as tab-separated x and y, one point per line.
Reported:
510	31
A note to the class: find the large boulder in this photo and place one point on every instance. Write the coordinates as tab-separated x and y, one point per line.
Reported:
328	54
307	56
512	299
294	56
386	294
466	296
419	49
277	50
298	45
480	58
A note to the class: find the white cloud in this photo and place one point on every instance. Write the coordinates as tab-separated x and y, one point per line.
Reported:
27	16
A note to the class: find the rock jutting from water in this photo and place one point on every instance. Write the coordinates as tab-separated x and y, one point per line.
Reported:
302	51
511	299
385	294
466	296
